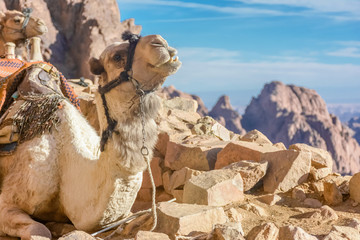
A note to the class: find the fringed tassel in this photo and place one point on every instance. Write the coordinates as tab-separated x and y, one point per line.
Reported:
37	115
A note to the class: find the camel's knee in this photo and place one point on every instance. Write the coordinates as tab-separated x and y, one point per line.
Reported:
14	222
37	230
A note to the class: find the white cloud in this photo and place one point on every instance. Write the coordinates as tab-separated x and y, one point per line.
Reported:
352	52
230	73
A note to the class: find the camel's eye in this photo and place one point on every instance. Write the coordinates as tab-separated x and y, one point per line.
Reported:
17	20
157	44
117	57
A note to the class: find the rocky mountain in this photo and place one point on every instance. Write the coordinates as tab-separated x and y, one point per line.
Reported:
77	30
225	114
172	92
292	114
354	124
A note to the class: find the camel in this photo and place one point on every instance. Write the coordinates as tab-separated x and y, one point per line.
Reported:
13	28
62	175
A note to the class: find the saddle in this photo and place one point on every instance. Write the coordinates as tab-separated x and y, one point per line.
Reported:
29	100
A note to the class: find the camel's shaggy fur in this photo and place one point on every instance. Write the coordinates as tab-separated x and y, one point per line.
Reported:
63	175
10	30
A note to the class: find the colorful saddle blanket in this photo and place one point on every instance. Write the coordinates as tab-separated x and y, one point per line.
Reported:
37	114
12	72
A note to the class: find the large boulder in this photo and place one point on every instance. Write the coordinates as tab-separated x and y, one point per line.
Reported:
287	169
214	188
183	219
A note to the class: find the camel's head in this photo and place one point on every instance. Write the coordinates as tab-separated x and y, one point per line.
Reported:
12	22
153	61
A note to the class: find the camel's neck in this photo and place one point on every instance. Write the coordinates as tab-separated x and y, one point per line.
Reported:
125	142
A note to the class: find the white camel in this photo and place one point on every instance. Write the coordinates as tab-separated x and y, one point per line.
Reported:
16	28
63	176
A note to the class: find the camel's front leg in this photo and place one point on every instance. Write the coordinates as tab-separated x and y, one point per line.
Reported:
15	222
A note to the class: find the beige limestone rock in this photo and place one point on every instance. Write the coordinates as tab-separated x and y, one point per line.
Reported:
342	233
146	235
184	104
214	188
354	223
319	157
234	215
156	172
319	173
180	177
298	193
354	187
78	235
294	233
267	231
256	136
182	219
318	187
241	150
324	213
251	207
251	172
332	194
195	152
179	156
209	126
280	146
166	181
287	169
227	231
312	203
161	145
178	194
269	199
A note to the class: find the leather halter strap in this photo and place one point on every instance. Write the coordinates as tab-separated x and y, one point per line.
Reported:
123	77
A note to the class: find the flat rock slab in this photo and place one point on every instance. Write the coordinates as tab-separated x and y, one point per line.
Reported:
256	136
294	233
182	219
196	152
214	188
319	157
263	232
242	150
342	233
146	235
227	231
78	235
287	169
251	172
354	187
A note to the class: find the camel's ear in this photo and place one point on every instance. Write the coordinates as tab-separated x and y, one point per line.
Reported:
95	66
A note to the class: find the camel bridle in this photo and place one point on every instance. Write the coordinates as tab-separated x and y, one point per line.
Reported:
125	76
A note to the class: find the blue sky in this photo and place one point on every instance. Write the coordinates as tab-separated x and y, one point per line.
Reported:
234	47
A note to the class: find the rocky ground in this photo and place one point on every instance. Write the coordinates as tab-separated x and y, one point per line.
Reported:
214	184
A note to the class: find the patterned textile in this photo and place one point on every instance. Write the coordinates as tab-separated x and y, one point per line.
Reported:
69	92
9	84
9	66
